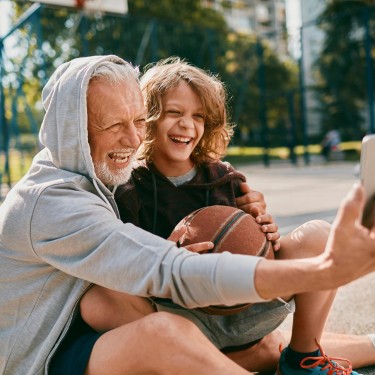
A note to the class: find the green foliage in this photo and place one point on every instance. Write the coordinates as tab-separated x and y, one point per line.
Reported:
259	82
349	30
152	30
186	12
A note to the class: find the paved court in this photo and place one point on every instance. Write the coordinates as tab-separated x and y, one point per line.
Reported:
297	194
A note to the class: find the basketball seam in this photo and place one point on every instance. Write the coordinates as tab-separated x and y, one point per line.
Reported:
227	227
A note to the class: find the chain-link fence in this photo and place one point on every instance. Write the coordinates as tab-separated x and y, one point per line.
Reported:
276	100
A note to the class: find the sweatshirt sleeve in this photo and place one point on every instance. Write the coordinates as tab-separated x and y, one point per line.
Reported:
77	233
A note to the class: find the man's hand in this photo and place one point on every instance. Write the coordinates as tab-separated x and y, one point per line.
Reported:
253	203
196	247
351	246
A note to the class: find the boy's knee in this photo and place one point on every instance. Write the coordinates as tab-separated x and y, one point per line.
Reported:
307	240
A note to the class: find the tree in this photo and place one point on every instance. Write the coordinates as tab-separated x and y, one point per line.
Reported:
343	71
151	31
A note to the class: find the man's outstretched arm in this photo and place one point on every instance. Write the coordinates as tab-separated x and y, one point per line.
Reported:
349	254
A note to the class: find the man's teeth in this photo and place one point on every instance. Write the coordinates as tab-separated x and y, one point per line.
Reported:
181	139
120	157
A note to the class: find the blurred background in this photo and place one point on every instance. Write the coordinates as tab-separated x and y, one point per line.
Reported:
299	73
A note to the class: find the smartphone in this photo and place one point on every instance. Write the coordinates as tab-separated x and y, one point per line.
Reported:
367	174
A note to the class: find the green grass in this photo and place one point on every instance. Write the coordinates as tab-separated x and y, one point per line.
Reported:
20	161
242	155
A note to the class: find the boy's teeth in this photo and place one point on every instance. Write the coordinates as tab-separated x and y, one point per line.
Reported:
181	139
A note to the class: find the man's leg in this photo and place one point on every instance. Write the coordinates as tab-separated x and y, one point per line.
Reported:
159	343
104	309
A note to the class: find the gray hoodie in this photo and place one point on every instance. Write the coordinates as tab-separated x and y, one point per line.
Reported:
60	233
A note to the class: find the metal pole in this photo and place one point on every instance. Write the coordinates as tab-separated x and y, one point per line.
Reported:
262	103
292	128
302	89
369	80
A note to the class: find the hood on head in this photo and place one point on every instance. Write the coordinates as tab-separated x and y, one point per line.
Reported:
64	128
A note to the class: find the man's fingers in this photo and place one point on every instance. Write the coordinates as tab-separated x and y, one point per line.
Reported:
199	247
177	234
351	207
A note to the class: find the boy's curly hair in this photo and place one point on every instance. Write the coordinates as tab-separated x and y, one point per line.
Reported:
165	75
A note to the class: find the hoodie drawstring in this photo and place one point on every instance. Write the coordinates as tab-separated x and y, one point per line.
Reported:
104	197
207	197
155	203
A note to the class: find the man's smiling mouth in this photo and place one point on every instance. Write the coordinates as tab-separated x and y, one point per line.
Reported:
120	157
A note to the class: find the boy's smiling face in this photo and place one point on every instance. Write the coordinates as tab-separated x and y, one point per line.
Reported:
178	131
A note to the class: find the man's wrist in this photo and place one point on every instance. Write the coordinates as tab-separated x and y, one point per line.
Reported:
275	278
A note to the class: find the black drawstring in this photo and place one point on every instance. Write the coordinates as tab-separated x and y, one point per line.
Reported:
207	197
155	203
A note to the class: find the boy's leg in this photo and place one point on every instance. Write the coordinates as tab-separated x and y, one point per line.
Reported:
264	356
311	308
159	343
359	349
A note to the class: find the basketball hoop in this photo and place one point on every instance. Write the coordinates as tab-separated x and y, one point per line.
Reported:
92	6
91	9
80	4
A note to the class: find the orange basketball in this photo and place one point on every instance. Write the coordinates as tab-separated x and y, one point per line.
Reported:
230	229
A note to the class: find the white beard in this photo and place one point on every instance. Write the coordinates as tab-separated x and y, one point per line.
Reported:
109	178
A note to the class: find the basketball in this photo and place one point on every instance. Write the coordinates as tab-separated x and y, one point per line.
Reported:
230	229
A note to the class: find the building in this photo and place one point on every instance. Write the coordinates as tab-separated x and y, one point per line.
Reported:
265	18
312	42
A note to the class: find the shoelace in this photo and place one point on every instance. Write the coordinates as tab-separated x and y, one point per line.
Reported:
327	363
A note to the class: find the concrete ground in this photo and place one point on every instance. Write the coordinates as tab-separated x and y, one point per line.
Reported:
297	194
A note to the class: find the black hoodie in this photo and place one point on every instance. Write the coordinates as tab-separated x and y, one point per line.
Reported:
150	201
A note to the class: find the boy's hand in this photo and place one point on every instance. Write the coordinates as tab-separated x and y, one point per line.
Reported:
270	228
253	203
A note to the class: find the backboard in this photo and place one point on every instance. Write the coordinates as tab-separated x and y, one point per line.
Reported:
103	6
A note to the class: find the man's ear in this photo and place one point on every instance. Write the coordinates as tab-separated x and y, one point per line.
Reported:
368	219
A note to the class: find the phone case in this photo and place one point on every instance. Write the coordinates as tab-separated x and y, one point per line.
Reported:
367	175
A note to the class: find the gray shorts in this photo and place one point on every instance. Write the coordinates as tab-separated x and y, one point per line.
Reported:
249	325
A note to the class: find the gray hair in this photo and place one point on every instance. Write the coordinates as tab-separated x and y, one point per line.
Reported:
115	72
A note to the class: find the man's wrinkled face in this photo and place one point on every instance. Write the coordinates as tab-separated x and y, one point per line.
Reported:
116	126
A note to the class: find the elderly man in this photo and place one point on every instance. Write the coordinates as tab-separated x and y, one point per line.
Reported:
60	233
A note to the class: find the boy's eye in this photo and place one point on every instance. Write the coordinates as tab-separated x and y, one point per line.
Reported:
199	115
173	111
